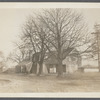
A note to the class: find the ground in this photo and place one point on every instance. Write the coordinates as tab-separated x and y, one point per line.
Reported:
76	82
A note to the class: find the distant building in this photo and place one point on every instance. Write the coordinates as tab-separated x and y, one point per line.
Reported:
89	68
71	63
26	65
23	67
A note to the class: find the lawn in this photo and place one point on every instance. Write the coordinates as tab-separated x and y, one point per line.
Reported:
76	82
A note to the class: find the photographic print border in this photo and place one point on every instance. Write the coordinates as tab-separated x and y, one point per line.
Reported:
50	95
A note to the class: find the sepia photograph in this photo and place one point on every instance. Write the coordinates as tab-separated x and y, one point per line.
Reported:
49	48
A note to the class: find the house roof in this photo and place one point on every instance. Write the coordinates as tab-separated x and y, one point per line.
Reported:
52	59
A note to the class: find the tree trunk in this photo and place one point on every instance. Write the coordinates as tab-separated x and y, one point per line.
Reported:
60	68
48	68
34	68
40	69
59	58
41	61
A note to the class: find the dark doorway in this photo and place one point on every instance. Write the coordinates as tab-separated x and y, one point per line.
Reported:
64	68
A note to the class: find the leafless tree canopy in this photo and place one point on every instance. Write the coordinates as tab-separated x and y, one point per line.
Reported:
59	30
66	29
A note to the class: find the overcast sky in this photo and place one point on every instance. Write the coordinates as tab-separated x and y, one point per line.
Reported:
11	21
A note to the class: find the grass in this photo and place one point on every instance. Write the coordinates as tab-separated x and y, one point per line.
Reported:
76	82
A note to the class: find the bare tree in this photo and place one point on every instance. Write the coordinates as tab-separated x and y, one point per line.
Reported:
34	34
67	31
96	46
15	56
59	30
20	53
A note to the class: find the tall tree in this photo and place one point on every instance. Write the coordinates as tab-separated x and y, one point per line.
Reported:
34	34
96	46
67	31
